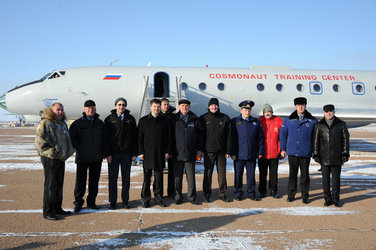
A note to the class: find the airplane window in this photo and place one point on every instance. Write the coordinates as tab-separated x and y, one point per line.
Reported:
54	75
45	76
202	86
335	87
279	87
317	87
299	87
260	87
184	86
221	86
359	88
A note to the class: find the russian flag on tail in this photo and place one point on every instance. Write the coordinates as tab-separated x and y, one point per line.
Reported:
113	77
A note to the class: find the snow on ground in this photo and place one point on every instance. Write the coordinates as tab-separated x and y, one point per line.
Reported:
292	211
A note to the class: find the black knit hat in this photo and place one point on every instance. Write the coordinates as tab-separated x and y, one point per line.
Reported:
89	103
213	101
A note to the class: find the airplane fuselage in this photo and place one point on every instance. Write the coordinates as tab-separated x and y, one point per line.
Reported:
352	92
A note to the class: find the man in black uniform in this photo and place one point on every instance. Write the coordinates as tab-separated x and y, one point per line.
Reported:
187	145
86	135
154	147
217	134
331	149
120	147
168	111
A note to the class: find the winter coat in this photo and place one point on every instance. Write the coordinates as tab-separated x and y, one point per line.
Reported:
87	139
120	135
53	140
271	128
331	145
154	140
187	137
247	138
217	132
296	136
170	112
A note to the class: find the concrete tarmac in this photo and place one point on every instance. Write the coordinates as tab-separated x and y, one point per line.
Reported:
267	224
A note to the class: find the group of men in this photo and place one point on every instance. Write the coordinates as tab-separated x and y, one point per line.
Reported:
179	138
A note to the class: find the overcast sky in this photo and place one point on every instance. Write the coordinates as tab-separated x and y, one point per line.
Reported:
40	36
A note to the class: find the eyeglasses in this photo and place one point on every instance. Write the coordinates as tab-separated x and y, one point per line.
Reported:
122	105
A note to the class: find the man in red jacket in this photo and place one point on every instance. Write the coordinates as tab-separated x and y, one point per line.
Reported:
270	125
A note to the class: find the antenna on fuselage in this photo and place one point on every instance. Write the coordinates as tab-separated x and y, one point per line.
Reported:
149	64
114	61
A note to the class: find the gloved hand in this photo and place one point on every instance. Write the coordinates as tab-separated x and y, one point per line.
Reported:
345	159
316	159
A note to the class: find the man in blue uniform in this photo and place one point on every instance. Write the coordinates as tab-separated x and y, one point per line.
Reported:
295	139
247	145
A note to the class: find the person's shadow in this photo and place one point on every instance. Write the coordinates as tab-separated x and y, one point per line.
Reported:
170	231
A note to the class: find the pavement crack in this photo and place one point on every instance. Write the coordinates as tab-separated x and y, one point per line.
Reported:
140	222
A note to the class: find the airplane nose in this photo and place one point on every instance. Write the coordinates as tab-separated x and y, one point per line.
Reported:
3	103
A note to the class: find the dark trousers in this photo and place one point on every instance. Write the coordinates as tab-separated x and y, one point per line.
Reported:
264	164
209	160
123	159
171	178
250	166
53	185
157	184
336	182
295	163
191	179
80	186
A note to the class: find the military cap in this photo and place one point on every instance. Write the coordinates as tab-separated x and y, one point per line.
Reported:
246	104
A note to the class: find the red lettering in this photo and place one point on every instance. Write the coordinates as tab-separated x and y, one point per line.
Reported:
239	76
211	75
352	78
245	76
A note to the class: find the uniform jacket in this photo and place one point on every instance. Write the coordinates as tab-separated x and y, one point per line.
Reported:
120	135
154	140
87	139
53	140
331	145
217	132
271	128
296	136
247	138
187	137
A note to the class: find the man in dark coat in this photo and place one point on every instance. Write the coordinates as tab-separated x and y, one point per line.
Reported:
154	147
86	135
247	145
331	149
295	140
120	148
168	111
217	136
187	145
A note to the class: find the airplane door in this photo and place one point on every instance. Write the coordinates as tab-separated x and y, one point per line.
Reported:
161	85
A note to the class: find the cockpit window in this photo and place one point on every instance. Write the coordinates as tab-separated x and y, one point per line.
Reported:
45	77
54	75
62	73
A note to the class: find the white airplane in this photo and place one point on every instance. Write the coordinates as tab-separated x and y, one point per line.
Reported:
352	92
